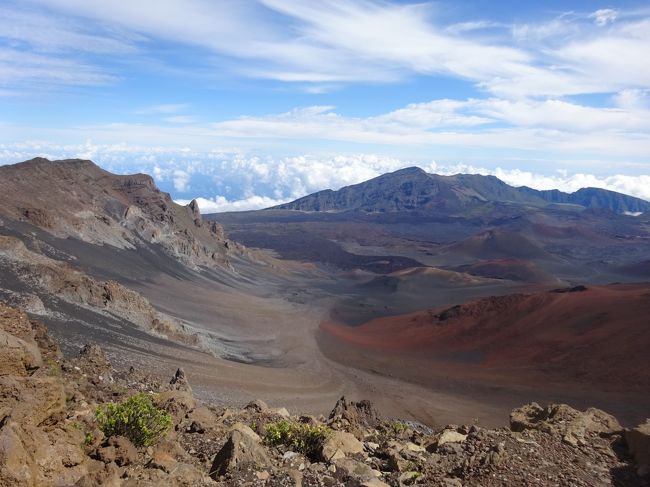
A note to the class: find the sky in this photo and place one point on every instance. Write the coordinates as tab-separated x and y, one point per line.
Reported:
244	104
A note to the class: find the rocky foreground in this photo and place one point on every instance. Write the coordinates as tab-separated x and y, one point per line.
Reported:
52	434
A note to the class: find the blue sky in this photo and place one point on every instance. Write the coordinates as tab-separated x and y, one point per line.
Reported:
246	103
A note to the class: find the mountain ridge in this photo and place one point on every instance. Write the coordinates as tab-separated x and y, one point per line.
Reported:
77	198
413	189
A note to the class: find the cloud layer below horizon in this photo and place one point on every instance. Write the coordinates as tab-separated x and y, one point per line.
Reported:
222	181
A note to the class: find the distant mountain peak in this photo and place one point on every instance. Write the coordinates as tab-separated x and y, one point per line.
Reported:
409	170
413	189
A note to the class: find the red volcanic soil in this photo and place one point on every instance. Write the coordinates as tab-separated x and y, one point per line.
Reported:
600	334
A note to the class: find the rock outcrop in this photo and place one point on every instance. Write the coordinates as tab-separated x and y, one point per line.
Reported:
74	286
574	426
243	449
108	209
638	441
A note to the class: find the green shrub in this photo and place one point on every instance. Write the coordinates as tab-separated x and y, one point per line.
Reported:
137	418
89	437
395	428
300	437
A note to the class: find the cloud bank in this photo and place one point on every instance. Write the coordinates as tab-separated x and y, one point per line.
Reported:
236	181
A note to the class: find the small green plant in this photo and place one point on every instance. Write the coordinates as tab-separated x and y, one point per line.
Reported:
411	477
89	438
411	466
137	418
300	437
395	428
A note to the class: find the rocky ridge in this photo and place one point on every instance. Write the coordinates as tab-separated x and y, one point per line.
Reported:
49	435
76	198
65	282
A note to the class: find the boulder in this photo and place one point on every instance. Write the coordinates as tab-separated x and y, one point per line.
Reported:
355	414
573	425
176	403
31	400
638	442
19	352
179	382
528	416
242	449
162	461
105	475
31	457
16	323
125	452
348	470
48	347
201	419
17	357
395	461
257	406
282	412
339	445
451	436
93	360
16	466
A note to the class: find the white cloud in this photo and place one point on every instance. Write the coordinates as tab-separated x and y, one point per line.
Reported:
462	27
320	45
181	180
18	67
638	186
243	181
604	16
553	126
53	34
220	204
633	99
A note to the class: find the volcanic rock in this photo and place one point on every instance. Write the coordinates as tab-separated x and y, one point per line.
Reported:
349	470
450	436
242	449
125	452
196	212
354	414
574	426
257	405
106	209
19	352
339	445
201	419
179	382
638	441
177	403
